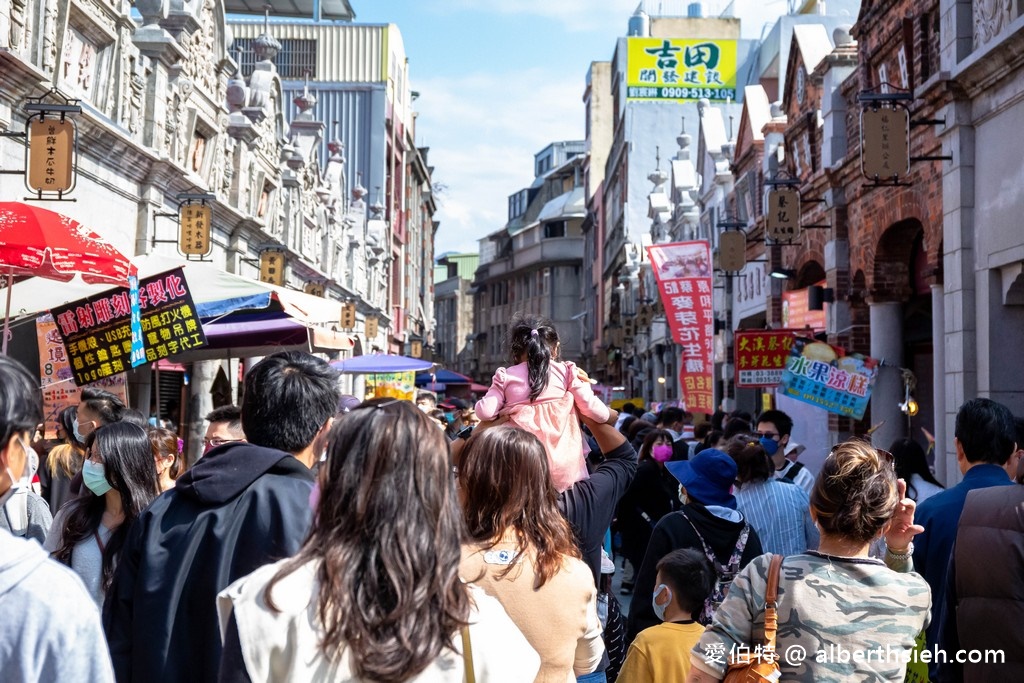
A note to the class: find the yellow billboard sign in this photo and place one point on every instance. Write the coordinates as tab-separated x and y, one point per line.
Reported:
680	69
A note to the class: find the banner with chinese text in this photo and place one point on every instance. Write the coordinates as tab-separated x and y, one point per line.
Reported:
825	376
56	381
680	69
683	272
97	332
760	356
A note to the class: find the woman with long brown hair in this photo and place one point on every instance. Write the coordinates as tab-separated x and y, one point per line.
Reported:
521	550
374	594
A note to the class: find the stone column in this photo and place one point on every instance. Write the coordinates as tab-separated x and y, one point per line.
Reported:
200	403
939	379
887	345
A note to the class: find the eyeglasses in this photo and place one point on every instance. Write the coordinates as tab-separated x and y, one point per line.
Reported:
215	441
770	435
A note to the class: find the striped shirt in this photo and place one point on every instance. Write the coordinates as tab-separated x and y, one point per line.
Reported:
780	513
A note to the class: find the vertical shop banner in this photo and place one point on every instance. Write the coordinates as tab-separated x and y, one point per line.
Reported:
56	379
827	377
760	356
98	332
683	272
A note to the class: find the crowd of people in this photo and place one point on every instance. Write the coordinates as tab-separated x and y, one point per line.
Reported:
320	537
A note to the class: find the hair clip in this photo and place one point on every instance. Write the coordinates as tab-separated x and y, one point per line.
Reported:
534	332
181	446
388	403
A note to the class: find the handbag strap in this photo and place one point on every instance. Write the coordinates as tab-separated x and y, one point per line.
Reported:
771	599
467	655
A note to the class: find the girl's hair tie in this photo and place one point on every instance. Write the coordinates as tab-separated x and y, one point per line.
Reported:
534	332
181	446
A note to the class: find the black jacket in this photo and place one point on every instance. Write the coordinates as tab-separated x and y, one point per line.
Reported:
674	532
590	504
240	507
653	494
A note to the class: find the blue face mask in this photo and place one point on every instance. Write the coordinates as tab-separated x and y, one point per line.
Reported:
770	446
94	476
78	435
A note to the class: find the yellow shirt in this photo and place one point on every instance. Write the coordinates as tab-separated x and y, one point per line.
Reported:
661	653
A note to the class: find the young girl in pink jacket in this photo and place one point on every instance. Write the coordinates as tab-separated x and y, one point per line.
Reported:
541	394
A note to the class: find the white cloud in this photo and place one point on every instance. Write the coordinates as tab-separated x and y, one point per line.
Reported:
483	130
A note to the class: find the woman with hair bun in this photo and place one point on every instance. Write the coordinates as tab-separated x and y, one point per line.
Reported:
854	617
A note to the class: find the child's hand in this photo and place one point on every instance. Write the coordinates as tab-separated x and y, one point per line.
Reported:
582	375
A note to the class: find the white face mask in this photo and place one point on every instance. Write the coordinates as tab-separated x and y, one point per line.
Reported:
659	610
79	437
17	482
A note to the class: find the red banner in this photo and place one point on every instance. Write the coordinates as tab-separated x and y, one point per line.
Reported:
683	272
760	356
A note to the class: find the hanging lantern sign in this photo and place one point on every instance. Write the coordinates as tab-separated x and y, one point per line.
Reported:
885	143
272	267
51	155
314	288
194	234
732	250
782	220
371	324
348	316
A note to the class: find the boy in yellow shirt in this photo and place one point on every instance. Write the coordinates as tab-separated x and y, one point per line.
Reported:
662	653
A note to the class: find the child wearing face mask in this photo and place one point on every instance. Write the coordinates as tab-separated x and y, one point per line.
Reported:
662	652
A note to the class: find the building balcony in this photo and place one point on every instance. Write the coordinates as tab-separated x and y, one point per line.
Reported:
551	250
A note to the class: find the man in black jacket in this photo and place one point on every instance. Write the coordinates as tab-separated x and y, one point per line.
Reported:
241	506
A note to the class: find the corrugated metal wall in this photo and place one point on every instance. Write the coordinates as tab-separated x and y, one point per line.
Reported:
354	116
346	53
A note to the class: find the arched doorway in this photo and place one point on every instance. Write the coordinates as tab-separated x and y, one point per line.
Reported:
902	334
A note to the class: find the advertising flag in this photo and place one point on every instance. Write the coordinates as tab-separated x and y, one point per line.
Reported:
683	272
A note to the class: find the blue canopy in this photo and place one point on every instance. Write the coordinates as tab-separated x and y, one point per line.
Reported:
442	376
380	362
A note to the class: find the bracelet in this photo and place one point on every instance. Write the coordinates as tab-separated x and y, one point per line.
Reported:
905	555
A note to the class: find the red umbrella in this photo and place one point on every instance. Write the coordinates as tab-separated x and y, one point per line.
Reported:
35	241
42	243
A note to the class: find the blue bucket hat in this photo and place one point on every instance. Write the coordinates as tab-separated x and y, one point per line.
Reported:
708	477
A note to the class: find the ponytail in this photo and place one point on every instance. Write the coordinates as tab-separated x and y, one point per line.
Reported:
533	339
538	359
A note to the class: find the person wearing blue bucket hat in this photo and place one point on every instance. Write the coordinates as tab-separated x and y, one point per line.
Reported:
708	522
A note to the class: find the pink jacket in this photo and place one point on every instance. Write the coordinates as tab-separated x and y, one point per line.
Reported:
511	387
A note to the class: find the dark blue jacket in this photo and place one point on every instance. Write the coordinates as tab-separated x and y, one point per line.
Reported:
940	515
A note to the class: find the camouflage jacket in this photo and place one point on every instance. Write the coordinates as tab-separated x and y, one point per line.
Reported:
840	619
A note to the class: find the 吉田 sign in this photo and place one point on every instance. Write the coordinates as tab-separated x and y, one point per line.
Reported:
97	332
680	69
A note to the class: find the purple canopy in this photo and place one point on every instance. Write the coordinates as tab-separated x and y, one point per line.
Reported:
380	362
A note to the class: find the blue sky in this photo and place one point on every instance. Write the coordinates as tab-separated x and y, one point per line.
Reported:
498	81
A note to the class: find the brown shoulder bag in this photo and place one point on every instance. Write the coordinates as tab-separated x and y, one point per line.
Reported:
763	667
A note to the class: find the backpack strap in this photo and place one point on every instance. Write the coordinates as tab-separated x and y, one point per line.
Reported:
792	471
708	552
737	552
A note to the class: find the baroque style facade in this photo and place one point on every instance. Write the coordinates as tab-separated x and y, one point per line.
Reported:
166	111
